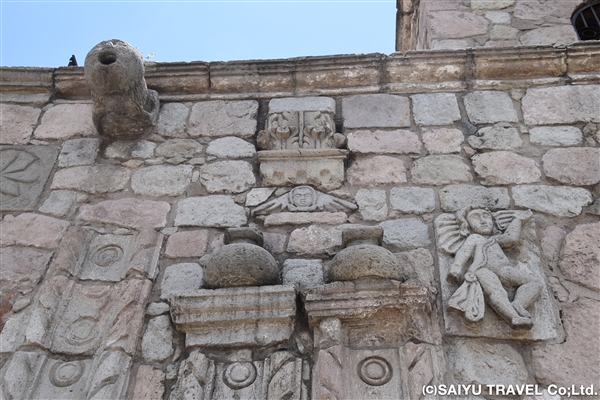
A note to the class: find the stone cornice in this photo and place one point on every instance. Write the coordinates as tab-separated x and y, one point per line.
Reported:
416	71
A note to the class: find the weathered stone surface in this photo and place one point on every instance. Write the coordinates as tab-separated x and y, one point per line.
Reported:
491	4
230	147
149	384
129	213
412	200
503	32
187	244
291	104
78	152
497	137
552	241
210	211
161	180
227	176
157	343
579	166
305	218
577	359
258	195
549	36
63	121
556	200
375	111
186	148
485	107
172	120
125	149
456	197
180	277
372	204
561	105
450	44
580	259
30	229
315	240
302	273
17	123
505	168
555	136
22	267
483	364
440	170
157	308
455	24
24	172
435	108
92	179
219	118
384	142
406	233
443	140
59	203
498	17
417	265
274	243
548	10
377	170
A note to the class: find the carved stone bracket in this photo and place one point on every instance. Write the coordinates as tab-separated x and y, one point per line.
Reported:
239	317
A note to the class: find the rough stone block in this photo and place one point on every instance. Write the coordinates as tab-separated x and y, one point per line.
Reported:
24	173
497	137
172	120
78	152
186	148
440	170
230	147
315	240
375	111
435	108
30	229
412	200
456	197
22	267
377	170
580	261
561	105
455	25
417	265
187	244
489	107
59	203
503	32
372	204
405	233
92	179
491	4
157	343
227	176
129	213
274	243
219	118
302	273
63	121
210	211
443	140
305	218
291	104
384	142
550	36
505	168
498	17
161	180
578	166
17	123
126	149
555	136
258	195
556	200
149	384
181	277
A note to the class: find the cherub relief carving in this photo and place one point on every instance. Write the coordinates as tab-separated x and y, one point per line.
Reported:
305	199
478	239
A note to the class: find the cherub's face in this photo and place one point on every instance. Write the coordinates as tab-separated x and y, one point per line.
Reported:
481	222
302	197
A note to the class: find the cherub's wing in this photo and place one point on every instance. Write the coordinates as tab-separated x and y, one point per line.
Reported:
333	204
448	233
280	202
504	217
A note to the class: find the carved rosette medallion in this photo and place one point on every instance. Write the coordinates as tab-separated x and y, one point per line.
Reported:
239	375
375	371
64	374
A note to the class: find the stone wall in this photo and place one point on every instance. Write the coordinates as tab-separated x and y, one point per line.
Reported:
106	244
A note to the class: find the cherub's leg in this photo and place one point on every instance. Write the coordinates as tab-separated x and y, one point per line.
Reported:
528	288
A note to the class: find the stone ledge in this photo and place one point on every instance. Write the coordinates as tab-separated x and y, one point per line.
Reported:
416	71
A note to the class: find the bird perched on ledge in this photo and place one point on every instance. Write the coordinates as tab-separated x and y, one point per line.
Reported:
72	61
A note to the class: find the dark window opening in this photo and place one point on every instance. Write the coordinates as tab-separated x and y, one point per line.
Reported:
587	22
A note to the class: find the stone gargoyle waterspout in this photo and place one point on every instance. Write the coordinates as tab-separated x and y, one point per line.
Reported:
124	107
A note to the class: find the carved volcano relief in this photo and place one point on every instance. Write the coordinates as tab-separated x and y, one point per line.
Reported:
492	281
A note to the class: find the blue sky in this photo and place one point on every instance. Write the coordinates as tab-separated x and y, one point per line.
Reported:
45	33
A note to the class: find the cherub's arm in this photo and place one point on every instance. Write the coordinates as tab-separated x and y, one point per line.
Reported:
462	256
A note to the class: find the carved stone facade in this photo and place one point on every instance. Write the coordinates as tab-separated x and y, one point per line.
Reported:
361	226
